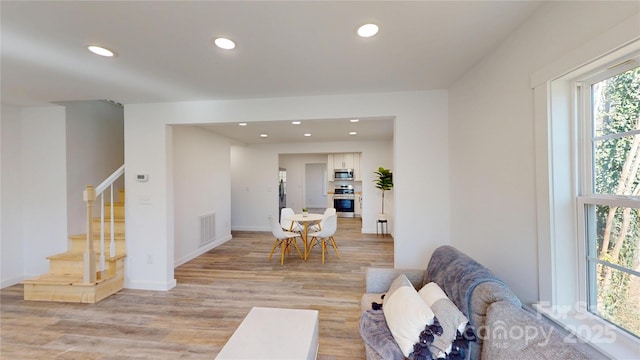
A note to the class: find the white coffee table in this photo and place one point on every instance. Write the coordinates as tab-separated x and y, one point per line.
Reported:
274	334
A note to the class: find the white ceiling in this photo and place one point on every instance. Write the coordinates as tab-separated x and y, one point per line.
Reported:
321	130
284	48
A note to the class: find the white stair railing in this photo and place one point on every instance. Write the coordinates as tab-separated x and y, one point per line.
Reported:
89	196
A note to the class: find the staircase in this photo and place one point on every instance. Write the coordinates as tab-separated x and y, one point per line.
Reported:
69	278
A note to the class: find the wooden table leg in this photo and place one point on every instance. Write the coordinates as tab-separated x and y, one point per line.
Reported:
304	239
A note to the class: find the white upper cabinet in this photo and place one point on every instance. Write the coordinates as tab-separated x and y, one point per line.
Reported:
356	167
344	161
330	167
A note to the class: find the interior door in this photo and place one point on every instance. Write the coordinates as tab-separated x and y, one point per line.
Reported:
315	186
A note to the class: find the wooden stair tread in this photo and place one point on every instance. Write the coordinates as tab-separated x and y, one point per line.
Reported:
61	279
75	255
96	236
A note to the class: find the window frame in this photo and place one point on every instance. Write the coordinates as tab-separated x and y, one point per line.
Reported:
562	269
587	197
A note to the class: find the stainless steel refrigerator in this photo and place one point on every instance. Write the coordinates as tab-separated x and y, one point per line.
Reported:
282	189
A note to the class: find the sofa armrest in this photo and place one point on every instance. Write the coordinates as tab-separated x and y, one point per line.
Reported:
378	280
512	333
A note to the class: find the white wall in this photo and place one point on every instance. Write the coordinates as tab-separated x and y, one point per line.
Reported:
11	249
421	182
493	191
372	157
254	187
149	205
201	179
95	149
44	186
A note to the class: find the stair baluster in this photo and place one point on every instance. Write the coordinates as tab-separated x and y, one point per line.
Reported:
108	182
112	244
89	273
102	265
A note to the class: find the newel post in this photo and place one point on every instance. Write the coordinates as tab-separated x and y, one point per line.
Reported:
89	274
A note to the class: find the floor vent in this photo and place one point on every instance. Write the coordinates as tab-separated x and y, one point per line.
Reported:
207	228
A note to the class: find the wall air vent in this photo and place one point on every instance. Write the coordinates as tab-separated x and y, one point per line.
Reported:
207	228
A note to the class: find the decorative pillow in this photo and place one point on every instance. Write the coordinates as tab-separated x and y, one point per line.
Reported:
454	342
406	313
401	281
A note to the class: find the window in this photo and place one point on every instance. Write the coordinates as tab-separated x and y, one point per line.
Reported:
609	193
588	201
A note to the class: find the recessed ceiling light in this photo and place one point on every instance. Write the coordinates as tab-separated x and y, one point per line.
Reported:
353	133
99	50
224	43
354	120
307	134
264	135
296	122
242	124
368	30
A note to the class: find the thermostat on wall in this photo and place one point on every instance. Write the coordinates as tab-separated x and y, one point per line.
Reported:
142	177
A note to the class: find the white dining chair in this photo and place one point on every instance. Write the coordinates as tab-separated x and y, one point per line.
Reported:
325	235
284	239
317	227
287	224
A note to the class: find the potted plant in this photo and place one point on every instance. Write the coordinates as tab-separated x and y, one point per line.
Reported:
305	211
384	182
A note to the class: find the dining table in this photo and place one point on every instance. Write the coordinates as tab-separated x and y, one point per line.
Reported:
305	220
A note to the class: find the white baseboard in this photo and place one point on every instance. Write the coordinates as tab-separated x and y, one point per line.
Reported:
147	285
250	228
201	251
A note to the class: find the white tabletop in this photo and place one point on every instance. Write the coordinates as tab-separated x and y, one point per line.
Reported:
274	334
305	218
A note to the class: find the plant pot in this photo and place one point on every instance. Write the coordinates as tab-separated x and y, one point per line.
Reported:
382	216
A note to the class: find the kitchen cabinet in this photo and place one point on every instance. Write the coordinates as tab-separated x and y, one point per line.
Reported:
356	167
344	161
358	206
330	167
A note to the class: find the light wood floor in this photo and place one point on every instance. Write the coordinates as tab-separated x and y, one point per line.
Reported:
213	295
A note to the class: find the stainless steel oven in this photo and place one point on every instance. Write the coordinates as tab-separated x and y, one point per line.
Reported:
344	199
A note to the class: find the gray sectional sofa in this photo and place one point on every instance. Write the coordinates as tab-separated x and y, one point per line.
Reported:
504	328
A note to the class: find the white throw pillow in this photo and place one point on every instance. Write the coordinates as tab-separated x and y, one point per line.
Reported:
406	314
450	317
